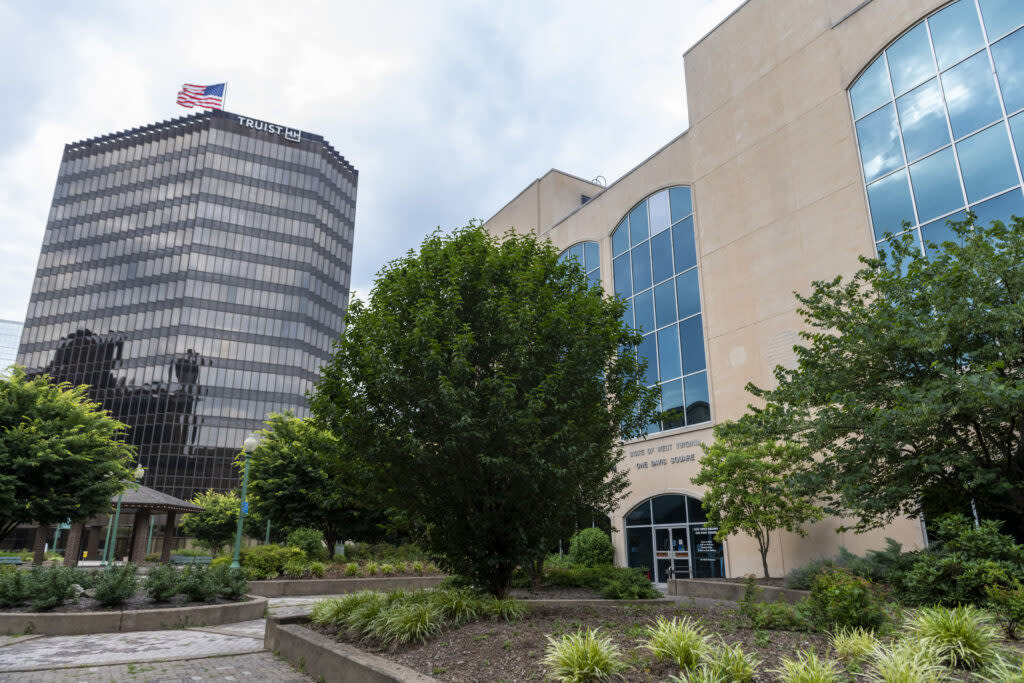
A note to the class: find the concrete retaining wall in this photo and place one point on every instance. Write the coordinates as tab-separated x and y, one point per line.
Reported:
117	621
286	588
725	590
327	660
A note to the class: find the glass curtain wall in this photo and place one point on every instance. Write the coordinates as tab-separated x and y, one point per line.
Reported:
655	269
588	255
940	121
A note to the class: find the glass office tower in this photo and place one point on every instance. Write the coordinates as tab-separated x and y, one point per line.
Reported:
194	273
10	334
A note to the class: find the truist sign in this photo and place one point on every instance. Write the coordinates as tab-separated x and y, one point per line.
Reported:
289	134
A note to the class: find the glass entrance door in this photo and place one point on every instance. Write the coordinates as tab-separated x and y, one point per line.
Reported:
667	537
672	553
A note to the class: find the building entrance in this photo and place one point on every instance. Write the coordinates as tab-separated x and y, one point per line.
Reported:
668	536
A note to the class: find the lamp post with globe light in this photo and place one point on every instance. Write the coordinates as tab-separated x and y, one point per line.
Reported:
248	446
108	554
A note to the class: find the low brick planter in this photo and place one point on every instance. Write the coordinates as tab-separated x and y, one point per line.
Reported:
725	590
289	588
118	621
327	660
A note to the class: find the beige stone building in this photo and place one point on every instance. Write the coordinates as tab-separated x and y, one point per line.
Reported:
816	127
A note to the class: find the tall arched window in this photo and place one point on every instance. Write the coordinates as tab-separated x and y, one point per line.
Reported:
588	255
655	270
940	121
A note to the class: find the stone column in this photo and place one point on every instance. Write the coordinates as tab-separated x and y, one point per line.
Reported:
139	530
92	546
42	534
73	549
169	530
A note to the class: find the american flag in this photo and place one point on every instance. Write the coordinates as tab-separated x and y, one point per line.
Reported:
206	96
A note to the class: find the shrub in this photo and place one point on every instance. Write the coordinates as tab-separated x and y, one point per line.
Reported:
197	584
310	541
410	622
853	645
772	616
230	583
962	636
161	584
351	569
268	561
296	568
506	609
840	599
583	656
905	662
222	560
316	569
115	585
591	547
729	663
14	586
49	587
683	642
622	583
808	668
1008	606
961	564
459	605
151	557
880	566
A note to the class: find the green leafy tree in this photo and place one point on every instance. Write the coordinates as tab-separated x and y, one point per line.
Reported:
748	490
484	384
215	526
910	381
61	455
302	475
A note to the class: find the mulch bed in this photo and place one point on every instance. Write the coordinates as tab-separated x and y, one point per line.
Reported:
338	572
511	651
553	593
139	602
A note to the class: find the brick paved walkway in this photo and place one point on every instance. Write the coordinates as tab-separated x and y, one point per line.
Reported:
227	652
261	667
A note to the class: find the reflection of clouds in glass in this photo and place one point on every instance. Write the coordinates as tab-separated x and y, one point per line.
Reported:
879	143
921	103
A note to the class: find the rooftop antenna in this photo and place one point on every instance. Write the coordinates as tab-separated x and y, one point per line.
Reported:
599	180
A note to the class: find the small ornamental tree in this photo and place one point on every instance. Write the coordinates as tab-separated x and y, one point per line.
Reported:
62	457
302	475
215	526
485	386
748	489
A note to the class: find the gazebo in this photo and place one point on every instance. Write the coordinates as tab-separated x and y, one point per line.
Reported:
146	502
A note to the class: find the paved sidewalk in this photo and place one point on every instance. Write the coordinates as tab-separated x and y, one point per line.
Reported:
183	654
260	667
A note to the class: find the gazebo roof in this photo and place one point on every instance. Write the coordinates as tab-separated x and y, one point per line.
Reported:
145	498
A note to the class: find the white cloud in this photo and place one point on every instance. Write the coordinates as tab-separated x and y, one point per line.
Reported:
447	110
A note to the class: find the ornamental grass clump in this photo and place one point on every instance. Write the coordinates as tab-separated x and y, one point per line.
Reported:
505	609
905	661
729	663
351	569
1003	671
682	641
459	605
963	636
586	655
409	622
371	568
808	667
360	620
853	645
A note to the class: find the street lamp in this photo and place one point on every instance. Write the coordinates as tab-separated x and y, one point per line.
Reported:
107	550
248	446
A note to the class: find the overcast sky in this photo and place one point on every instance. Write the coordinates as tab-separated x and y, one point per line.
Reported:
448	109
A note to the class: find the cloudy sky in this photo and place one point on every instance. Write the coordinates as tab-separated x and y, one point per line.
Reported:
448	109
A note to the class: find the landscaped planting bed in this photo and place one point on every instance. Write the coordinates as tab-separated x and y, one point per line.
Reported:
462	636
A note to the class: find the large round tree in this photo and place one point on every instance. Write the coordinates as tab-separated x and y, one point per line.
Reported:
62	456
488	385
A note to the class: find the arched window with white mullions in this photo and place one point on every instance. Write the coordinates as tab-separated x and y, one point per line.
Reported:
654	262
940	121
588	255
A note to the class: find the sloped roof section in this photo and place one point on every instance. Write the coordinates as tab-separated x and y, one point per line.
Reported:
145	498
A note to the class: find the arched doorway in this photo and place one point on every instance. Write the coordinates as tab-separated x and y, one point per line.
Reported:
668	535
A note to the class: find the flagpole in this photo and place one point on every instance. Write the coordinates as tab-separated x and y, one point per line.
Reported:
224	98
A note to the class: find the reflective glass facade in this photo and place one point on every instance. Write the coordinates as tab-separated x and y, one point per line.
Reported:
10	334
940	121
588	255
194	273
654	263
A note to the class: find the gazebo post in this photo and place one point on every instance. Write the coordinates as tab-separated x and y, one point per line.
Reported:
39	546
92	548
139	528
73	551
165	553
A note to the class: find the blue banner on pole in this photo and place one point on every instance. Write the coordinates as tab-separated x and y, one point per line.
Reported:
245	508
